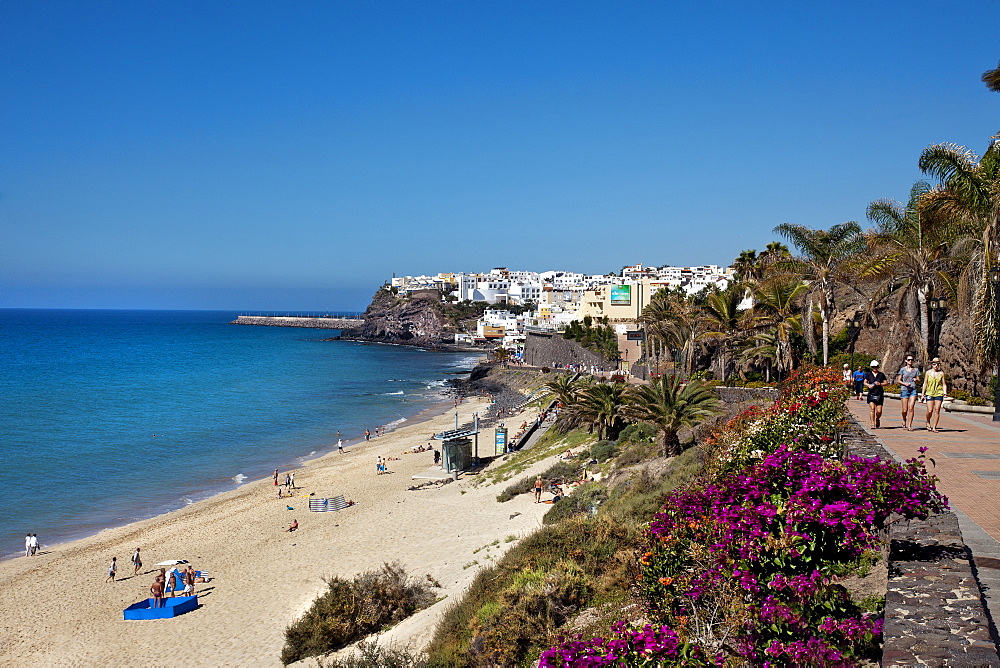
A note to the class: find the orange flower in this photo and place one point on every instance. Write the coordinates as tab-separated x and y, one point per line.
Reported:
666	581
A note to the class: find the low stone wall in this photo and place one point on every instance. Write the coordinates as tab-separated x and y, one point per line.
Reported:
735	395
934	614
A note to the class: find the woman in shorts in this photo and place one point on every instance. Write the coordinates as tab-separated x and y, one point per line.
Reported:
935	388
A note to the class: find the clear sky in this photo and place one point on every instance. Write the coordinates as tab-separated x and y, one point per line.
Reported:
293	155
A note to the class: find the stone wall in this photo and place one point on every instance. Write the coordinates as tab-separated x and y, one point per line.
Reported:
934	614
548	349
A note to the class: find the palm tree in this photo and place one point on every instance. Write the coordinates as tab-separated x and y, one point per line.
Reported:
675	321
910	256
723	318
565	388
601	406
776	311
671	405
824	261
968	194
992	79
760	350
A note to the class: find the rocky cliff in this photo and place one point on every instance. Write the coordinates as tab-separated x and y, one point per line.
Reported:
416	319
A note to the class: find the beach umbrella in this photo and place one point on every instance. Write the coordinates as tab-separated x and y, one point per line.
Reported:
172	562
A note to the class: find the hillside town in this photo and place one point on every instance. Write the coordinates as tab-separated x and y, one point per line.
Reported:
548	301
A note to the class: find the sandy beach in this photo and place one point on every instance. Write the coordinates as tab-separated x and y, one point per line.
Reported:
57	610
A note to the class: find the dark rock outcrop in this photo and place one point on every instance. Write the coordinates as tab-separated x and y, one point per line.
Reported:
415	319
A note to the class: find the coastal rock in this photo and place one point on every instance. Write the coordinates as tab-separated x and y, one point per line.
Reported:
414	319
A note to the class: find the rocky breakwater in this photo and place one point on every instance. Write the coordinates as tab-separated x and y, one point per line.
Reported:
416	319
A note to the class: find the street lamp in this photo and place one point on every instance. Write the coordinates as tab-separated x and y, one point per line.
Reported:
995	280
937	308
853	330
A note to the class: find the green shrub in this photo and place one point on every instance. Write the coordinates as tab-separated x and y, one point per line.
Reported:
838	361
637	452
352	609
977	401
511	610
961	395
585	500
371	654
603	450
637	432
562	470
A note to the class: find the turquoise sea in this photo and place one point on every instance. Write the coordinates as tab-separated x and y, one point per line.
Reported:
108	417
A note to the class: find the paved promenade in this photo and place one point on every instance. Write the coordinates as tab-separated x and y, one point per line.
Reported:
966	452
967	456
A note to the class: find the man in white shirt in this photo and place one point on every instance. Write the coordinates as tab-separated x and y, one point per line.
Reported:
27	545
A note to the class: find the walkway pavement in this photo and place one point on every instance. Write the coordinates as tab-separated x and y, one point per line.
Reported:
966	453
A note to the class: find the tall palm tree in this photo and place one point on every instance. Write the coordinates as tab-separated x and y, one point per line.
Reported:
723	319
968	193
824	261
910	256
760	350
777	311
671	405
992	79
674	320
601	406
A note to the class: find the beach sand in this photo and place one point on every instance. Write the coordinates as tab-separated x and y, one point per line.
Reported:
57	610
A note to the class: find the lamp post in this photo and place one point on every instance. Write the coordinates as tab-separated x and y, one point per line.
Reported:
853	330
995	280
937	308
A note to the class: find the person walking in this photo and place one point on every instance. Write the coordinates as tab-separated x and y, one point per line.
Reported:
935	389
112	569
34	544
538	489
275	477
859	383
137	560
907	377
291	480
848	377
875	381
340	444
27	545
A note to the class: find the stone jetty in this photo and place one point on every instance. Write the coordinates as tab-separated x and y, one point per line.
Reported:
298	321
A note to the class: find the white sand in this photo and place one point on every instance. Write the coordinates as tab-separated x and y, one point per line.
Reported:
57	610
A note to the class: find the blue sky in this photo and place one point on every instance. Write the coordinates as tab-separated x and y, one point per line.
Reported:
291	156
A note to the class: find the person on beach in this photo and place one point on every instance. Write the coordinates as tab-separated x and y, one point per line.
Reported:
288	480
112	569
368	434
437	457
156	589
875	381
538	489
340	443
189	577
34	544
136	561
291	480
859	383
27	545
935	389
294	526
279	493
275	477
907	377
170	582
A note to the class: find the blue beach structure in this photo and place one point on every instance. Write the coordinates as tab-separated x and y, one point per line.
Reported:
171	608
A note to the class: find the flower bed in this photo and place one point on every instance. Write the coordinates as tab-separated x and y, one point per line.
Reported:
743	564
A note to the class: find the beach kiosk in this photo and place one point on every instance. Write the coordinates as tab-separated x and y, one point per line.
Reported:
457	452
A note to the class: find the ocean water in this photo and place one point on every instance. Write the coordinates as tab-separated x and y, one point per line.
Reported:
107	417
